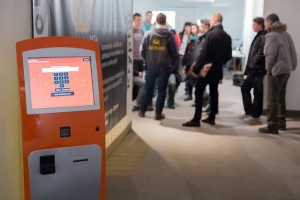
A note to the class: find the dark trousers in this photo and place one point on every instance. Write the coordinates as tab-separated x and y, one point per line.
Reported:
171	90
276	107
213	83
188	85
255	107
162	77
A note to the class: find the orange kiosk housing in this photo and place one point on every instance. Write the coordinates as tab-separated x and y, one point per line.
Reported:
63	121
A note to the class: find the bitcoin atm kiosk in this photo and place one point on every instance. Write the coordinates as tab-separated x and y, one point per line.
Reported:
62	113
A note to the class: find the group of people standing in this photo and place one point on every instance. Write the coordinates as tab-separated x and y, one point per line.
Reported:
163	53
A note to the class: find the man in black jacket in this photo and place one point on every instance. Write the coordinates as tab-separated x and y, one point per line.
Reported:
216	50
255	71
159	51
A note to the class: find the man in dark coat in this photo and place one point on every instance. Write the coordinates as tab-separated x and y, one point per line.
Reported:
216	50
255	71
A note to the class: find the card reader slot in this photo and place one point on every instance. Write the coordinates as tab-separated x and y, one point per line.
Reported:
80	160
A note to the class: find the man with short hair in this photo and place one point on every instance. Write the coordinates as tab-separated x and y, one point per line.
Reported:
147	25
204	26
281	60
216	50
255	71
138	66
159	51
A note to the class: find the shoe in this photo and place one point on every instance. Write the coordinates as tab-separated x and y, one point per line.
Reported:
205	102
209	121
142	114
188	98
267	130
252	120
244	116
191	123
150	108
206	108
282	127
159	117
171	107
135	108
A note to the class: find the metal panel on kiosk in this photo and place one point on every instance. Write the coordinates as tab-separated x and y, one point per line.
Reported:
63	121
65	173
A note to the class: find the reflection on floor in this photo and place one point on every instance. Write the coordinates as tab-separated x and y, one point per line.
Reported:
161	160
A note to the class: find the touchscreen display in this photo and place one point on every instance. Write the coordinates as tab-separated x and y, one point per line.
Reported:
57	82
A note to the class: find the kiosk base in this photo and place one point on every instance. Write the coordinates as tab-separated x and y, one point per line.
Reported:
65	173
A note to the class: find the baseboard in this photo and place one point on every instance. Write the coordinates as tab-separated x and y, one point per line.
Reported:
117	141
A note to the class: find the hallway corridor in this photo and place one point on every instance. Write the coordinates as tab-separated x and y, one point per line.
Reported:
161	160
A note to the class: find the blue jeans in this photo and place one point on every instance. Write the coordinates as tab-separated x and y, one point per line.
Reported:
162	76
140	82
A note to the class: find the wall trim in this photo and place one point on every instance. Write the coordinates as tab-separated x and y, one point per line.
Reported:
118	140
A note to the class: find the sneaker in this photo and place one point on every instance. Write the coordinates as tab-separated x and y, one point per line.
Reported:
244	116
135	108
159	116
188	98
171	106
142	114
267	130
252	120
206	108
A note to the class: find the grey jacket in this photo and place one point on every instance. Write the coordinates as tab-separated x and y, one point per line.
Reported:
279	50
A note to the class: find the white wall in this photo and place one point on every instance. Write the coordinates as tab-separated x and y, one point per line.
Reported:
232	11
253	8
288	12
15	25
